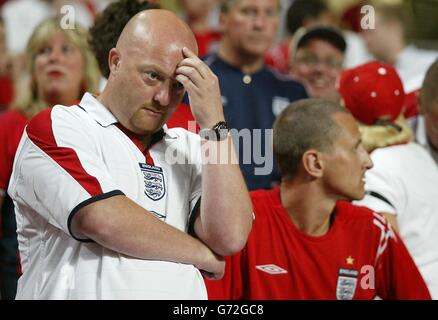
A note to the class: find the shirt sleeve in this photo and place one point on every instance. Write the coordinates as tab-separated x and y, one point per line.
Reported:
397	276
58	168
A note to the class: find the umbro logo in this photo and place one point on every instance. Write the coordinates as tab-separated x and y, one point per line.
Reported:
271	269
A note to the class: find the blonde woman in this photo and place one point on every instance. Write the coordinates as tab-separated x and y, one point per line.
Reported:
402	185
60	69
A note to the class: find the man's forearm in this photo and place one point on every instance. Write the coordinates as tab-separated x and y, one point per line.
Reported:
121	225
226	212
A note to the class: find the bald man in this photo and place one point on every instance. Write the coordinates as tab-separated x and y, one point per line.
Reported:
109	200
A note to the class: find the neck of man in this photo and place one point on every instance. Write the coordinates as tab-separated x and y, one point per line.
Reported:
308	206
245	62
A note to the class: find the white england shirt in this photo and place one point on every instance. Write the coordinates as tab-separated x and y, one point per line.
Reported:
69	157
404	182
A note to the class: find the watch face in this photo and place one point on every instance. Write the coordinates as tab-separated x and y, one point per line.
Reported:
219	132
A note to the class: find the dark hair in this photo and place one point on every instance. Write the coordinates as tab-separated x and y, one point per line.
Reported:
301	10
328	34
429	90
303	125
108	26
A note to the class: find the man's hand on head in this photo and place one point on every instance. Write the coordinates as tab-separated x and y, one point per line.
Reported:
202	87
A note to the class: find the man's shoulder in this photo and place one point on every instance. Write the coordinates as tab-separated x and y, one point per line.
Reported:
261	194
42	125
264	200
360	217
47	115
349	210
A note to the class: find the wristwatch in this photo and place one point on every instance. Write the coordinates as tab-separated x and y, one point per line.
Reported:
218	132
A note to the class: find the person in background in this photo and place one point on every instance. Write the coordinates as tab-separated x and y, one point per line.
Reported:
402	183
60	69
134	186
198	15
299	14
309	14
317	59
389	42
252	94
308	241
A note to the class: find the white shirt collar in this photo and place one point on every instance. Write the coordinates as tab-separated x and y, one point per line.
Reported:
104	117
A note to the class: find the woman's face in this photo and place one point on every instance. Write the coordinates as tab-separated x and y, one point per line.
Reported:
59	71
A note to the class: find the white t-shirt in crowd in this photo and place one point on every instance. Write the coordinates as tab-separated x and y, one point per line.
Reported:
404	182
69	157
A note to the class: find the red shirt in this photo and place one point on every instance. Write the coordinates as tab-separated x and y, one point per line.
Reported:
183	118
360	257
207	41
6	92
278	57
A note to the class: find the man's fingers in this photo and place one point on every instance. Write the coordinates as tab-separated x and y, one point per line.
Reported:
188	53
186	82
190	73
193	61
211	276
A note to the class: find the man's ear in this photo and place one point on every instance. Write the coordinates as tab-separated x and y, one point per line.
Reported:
113	60
313	163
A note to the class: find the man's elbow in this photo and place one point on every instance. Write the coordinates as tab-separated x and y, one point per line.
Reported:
232	245
233	242
236	237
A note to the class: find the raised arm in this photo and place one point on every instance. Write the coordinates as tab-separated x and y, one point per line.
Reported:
225	216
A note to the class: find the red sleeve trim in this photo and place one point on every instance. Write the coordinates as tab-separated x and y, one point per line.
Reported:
40	132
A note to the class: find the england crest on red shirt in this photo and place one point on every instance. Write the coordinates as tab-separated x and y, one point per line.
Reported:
347	283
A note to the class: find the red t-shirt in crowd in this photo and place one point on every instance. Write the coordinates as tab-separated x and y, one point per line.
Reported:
6	92
12	125
278	57
360	257
207	41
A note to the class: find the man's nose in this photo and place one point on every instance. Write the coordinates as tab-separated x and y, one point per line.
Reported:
162	96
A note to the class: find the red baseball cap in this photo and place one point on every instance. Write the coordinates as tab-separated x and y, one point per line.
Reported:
372	92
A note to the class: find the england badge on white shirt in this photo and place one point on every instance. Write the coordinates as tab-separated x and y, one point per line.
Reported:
154	185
